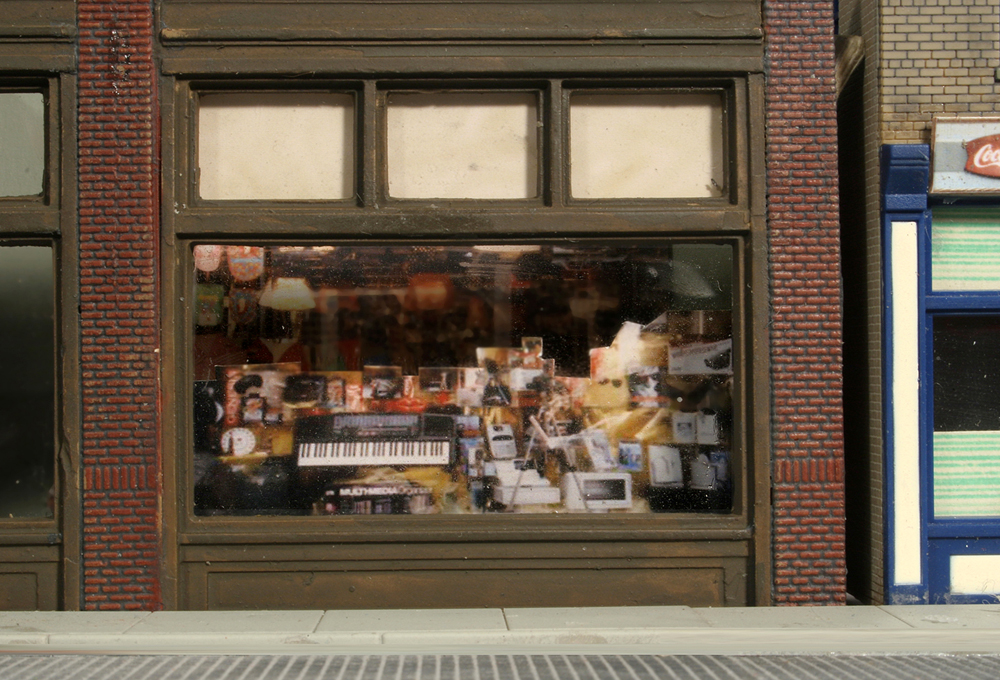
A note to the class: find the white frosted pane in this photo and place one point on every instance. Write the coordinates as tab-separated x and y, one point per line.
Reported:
276	146
457	145
22	143
967	474
975	574
646	146
965	255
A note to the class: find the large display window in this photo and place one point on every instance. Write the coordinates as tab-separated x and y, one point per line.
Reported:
583	377
469	325
469	374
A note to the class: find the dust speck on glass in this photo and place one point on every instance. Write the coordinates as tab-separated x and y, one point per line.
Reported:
413	378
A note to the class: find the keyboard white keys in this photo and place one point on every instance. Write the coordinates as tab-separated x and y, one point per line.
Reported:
391	452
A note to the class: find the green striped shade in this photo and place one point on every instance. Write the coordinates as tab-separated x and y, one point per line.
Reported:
965	253
967	474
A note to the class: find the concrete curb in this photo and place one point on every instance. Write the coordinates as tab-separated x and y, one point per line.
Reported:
654	630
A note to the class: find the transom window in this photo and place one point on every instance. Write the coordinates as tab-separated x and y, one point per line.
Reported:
552	142
22	144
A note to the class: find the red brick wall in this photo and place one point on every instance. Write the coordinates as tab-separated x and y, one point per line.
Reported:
118	253
808	474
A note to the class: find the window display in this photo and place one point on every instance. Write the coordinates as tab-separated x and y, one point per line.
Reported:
420	378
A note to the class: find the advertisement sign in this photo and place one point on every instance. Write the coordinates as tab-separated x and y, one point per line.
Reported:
965	156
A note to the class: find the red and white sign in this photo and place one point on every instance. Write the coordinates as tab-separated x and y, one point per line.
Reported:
983	156
966	155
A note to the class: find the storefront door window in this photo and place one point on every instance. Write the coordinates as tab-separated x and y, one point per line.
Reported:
966	365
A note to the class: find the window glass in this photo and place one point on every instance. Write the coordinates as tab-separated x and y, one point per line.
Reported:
966	416
276	146
463	145
22	143
646	146
27	351
417	379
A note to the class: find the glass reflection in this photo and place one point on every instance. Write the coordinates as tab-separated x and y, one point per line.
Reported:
462	379
27	356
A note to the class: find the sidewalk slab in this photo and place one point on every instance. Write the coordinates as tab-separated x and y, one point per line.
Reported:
222	623
245	643
799	617
577	618
69	622
412	620
752	641
37	628
938	616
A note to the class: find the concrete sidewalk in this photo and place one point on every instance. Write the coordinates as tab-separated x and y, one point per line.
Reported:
660	630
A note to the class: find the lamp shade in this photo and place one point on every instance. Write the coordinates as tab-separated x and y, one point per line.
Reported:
287	294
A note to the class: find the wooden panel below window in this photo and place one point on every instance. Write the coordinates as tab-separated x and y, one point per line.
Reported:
711	580
29	578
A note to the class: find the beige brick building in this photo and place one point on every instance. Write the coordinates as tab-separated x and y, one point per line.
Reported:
935	57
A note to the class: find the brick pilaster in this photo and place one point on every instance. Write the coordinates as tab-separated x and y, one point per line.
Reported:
118	310
807	434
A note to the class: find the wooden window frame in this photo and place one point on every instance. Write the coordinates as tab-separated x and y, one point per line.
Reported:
39	545
372	216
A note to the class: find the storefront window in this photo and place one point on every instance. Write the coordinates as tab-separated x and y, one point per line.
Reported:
966	416
457	379
27	409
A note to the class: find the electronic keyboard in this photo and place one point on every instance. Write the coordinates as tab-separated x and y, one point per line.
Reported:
374	439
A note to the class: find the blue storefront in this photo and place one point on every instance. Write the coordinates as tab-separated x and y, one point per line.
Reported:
941	244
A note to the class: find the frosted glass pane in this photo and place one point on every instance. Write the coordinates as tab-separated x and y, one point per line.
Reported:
975	574
277	146
22	143
967	474
27	363
475	145
965	255
646	146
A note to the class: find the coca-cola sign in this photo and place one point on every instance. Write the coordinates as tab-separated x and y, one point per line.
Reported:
983	156
965	156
